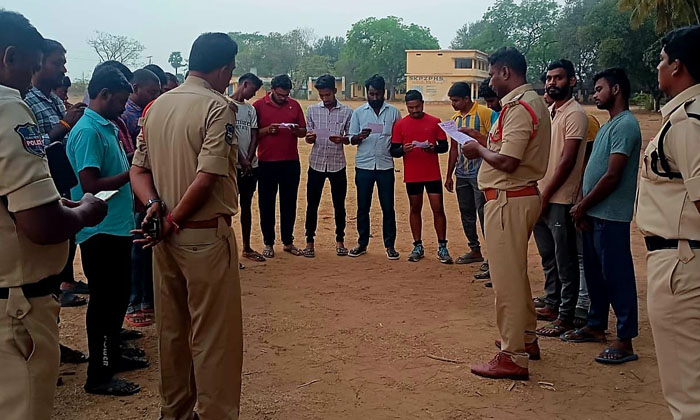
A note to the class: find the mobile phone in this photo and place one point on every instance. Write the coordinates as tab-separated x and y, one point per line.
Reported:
152	227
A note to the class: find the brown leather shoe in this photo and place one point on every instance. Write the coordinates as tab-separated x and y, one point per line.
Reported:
547	314
501	367
532	349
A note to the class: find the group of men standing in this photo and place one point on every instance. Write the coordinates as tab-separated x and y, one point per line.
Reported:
196	152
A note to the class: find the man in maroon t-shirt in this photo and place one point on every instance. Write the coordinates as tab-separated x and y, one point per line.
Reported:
418	138
282	123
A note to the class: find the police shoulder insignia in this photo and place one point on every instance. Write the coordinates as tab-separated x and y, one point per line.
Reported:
31	139
230	130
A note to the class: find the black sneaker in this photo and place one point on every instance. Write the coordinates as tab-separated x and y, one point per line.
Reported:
488	284
392	254
127	363
357	251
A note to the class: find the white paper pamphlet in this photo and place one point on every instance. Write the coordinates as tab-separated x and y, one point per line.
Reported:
450	128
421	144
375	127
288	125
105	195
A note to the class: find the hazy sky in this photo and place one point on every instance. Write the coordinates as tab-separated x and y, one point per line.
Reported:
163	26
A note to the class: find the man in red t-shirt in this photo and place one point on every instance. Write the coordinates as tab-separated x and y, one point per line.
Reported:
282	123
418	138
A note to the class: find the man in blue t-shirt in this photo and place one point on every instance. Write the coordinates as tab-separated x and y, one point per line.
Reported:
100	163
604	214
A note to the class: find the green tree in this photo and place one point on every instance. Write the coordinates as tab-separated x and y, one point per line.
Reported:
309	66
330	47
379	46
667	13
175	60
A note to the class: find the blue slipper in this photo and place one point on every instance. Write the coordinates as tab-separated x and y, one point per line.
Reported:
622	357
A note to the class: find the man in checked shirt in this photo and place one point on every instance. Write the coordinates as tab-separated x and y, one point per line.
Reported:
328	123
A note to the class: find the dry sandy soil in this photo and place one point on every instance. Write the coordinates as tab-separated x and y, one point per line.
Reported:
341	338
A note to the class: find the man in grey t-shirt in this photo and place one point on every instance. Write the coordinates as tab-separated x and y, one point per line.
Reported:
247	134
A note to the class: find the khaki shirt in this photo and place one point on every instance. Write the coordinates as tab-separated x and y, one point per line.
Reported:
517	126
570	123
25	183
665	206
188	130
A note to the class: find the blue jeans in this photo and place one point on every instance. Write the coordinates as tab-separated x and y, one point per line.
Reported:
607	260
141	275
365	180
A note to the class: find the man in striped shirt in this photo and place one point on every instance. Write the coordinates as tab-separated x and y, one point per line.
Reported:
328	124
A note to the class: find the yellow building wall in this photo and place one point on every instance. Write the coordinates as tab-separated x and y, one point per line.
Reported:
432	72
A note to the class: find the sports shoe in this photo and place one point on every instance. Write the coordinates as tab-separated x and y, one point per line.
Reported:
444	255
501	367
392	253
417	253
357	251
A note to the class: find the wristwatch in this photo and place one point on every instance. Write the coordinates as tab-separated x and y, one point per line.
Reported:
156	200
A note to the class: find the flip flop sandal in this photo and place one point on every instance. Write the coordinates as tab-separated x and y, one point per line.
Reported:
79	288
308	252
138	319
254	256
294	251
341	251
485	275
268	252
68	355
117	387
132	352
552	330
148	310
539	302
624	357
584	337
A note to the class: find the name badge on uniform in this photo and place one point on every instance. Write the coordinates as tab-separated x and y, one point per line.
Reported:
31	139
230	130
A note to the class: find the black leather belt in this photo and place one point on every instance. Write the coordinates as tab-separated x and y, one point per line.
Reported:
655	243
41	288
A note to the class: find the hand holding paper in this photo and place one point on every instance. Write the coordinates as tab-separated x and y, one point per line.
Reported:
421	144
376	128
450	128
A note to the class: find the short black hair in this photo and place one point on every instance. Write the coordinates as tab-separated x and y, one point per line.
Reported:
565	64
15	30
325	82
171	78
117	65
50	46
252	79
616	76
485	90
108	78
144	76
413	95
211	51
377	82
460	90
282	81
682	44
66	82
155	69
511	58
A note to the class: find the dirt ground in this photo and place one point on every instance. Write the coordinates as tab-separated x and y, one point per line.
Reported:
342	338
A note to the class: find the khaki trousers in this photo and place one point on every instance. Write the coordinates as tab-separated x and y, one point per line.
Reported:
509	223
30	356
673	302
198	317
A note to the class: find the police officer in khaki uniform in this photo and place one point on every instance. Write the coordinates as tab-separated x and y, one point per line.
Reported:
34	231
668	214
516	158
186	156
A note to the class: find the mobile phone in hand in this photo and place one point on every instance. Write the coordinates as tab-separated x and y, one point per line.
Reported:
152	227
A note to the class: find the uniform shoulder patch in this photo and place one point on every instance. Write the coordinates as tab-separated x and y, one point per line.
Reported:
31	139
230	131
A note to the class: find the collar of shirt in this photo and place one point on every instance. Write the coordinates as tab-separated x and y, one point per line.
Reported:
8	92
471	111
679	100
515	92
554	111
367	106
198	82
99	119
132	107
